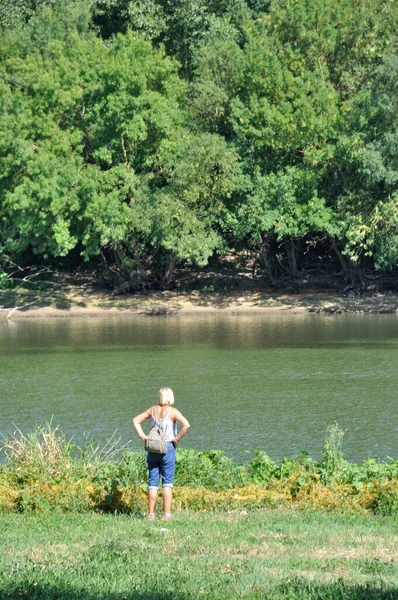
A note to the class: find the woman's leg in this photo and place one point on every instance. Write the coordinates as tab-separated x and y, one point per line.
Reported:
167	494
167	469
152	495
153	461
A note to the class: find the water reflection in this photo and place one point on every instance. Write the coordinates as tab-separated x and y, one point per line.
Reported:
228	332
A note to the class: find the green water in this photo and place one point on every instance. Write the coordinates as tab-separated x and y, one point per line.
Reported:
245	382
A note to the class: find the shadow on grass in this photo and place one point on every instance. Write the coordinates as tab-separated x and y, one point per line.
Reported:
48	592
299	589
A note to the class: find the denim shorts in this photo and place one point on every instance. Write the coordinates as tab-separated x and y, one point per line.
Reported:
161	465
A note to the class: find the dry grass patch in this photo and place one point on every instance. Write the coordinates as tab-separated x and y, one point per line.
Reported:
381	553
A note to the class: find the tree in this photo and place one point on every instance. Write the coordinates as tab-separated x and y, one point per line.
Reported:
96	154
280	116
276	123
368	205
182	26
74	122
194	177
285	100
15	13
349	41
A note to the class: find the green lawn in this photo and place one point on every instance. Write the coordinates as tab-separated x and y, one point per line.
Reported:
260	554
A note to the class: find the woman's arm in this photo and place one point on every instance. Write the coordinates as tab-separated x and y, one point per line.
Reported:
177	416
144	416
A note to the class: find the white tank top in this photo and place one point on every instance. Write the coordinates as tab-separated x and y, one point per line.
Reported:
168	425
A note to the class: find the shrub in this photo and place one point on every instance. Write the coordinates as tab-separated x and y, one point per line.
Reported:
381	498
261	468
370	470
68	496
8	499
212	469
123	499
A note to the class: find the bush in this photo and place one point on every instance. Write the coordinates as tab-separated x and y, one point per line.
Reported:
212	470
261	468
381	498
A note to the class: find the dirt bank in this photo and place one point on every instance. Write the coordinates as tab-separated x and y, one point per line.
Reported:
78	302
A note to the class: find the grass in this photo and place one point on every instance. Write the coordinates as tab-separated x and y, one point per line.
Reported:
280	555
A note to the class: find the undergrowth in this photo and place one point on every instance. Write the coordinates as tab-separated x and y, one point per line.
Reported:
44	471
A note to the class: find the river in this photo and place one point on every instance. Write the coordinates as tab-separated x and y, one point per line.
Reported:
273	383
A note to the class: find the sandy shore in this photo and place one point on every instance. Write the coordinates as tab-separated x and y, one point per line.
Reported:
78	303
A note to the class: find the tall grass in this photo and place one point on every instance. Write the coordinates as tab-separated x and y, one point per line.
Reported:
43	452
333	462
46	471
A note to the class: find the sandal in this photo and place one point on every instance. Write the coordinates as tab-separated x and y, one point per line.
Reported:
151	516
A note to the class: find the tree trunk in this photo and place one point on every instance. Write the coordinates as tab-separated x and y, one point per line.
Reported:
169	270
352	272
291	252
266	259
118	256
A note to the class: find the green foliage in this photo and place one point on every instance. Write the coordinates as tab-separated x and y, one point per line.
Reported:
285	203
346	39
369	209
371	470
36	24
197	173
14	13
385	502
157	132
182	26
292	100
99	156
261	468
211	470
45	471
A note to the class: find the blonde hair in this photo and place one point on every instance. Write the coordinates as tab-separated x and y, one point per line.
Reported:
165	397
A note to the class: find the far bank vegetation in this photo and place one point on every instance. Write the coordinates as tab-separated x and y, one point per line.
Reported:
145	138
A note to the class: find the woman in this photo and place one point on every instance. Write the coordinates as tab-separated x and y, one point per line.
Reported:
162	465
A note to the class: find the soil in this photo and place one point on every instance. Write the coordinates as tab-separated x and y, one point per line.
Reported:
72	296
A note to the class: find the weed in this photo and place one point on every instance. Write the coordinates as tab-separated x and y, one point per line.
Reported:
333	459
44	471
42	453
261	468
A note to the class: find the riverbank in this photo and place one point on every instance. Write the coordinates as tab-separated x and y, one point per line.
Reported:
81	301
251	555
44	471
